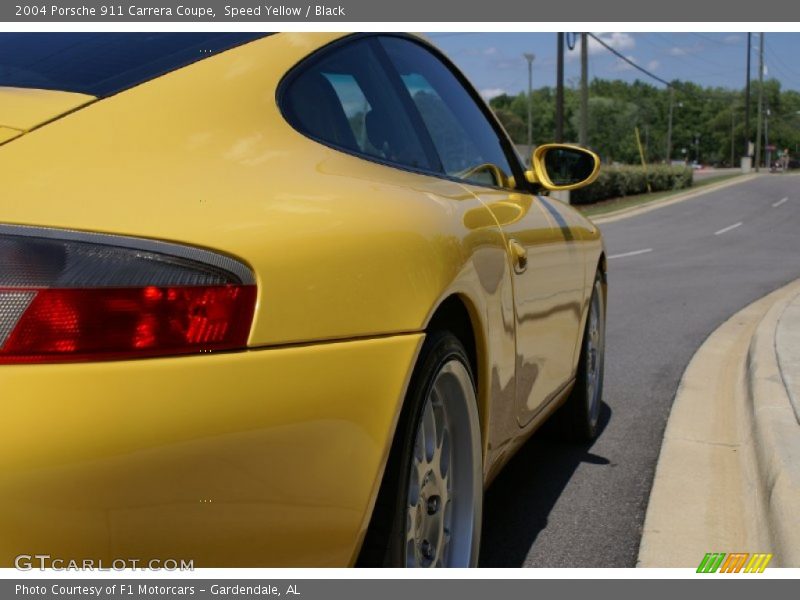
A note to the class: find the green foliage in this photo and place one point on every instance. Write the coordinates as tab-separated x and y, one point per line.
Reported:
620	181
608	119
707	124
516	127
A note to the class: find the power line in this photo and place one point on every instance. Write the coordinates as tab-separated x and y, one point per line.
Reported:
775	71
709	39
628	60
716	70
697	94
697	52
693	54
779	60
572	40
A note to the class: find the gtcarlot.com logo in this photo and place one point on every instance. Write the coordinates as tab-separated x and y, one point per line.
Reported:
42	562
736	562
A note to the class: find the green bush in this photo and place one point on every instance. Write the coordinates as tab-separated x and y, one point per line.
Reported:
620	181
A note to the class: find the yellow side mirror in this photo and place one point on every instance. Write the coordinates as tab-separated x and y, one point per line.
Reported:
563	166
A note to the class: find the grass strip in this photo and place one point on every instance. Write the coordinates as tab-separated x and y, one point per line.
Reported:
615	204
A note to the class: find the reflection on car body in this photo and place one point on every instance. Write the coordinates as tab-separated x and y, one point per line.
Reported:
291	302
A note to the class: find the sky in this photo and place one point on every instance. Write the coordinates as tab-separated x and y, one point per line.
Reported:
495	65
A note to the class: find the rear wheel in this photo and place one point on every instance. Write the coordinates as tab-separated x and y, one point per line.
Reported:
429	509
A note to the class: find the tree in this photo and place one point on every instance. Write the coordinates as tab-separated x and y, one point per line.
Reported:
611	129
516	127
702	118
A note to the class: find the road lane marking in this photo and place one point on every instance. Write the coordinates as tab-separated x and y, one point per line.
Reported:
726	229
634	253
779	202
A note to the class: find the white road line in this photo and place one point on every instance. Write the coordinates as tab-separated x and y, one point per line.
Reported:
726	229
779	202
634	253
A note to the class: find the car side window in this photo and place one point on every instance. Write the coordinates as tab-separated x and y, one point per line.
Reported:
347	99
467	144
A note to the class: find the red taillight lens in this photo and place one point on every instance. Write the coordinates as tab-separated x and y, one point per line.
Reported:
109	302
103	323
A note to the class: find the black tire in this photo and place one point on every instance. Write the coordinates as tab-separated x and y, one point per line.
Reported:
385	544
578	418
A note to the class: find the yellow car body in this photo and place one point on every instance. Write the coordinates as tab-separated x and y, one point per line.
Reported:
273	455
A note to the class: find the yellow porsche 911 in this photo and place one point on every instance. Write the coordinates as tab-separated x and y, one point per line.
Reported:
287	300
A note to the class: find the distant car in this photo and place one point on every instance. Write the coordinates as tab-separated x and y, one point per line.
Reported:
697	166
275	300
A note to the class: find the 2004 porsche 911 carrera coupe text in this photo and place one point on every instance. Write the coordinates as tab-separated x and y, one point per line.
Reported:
275	300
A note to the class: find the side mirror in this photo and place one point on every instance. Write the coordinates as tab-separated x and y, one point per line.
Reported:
563	166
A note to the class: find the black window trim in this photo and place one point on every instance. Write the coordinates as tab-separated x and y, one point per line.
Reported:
321	53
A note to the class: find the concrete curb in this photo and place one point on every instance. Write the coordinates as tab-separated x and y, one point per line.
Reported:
656	204
787	346
728	476
776	429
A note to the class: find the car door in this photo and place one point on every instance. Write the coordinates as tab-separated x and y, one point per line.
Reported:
548	280
549	293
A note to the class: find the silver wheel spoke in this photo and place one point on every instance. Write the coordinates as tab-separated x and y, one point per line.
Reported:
445	478
444	455
429	432
594	354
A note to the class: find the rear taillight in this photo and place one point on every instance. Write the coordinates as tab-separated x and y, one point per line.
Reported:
70	296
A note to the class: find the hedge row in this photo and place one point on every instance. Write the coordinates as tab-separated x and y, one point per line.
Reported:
619	181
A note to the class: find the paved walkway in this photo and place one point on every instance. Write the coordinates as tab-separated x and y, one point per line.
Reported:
787	347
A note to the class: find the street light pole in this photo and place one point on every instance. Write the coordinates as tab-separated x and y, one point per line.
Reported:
767	149
796	145
747	102
760	98
560	88
669	125
583	134
530	57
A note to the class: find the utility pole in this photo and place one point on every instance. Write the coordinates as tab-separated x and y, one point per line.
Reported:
669	125
560	89
733	158
529	57
760	97
768	152
747	101
583	134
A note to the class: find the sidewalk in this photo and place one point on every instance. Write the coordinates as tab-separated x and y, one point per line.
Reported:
787	347
774	378
728	477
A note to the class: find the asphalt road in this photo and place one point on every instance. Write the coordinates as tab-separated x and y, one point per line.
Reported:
675	275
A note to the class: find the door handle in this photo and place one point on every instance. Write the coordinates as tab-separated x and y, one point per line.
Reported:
519	255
